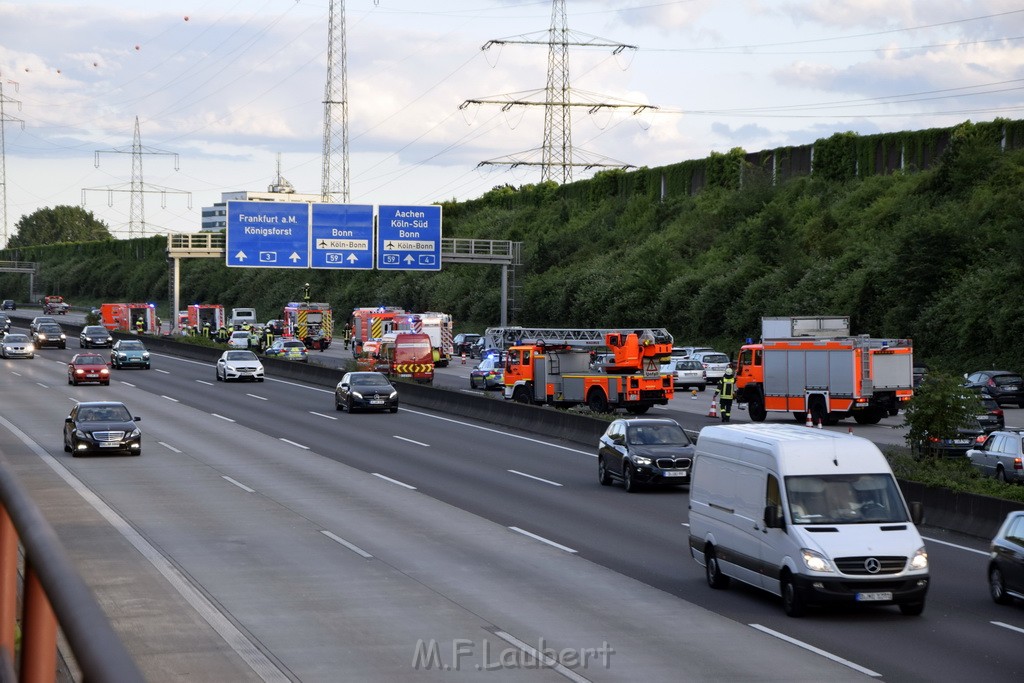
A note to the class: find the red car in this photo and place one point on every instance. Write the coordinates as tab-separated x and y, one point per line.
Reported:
88	367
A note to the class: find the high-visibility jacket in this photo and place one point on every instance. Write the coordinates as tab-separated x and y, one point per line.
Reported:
728	389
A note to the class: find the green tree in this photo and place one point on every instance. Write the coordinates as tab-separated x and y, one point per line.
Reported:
940	406
59	224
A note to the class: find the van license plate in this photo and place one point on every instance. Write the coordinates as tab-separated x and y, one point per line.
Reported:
873	597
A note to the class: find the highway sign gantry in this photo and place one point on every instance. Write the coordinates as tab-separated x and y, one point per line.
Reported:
409	237
267	235
342	236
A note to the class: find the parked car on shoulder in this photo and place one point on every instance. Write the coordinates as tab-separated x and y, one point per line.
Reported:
993	417
95	336
8	305
463	343
236	364
488	374
687	373
102	427
365	391
644	451
17	346
1000	456
88	367
1006	560
129	353
1002	385
714	364
49	334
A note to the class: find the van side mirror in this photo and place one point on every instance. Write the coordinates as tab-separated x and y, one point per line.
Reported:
916	512
773	517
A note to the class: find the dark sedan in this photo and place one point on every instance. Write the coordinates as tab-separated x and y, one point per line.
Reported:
95	336
8	305
49	334
1006	560
365	391
102	427
1002	385
643	451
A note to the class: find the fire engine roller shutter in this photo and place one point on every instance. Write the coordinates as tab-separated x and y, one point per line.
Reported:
892	370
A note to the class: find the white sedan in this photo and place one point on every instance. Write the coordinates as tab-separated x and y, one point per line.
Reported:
239	365
239	340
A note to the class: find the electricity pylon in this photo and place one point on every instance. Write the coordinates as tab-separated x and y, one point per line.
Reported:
334	179
558	157
4	118
137	188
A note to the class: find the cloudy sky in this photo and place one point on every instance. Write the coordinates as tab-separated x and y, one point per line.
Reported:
230	86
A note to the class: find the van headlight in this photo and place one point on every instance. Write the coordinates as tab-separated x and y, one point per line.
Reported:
815	561
920	559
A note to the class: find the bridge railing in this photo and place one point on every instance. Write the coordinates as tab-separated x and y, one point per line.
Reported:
53	594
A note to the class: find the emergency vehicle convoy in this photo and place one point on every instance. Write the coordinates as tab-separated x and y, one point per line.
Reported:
373	323
311	322
552	367
813	365
127	317
438	326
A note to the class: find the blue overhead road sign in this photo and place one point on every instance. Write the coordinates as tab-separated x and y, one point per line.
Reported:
267	235
342	236
409	237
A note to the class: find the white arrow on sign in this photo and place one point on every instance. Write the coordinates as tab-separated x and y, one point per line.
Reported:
240	256
294	258
352	258
409	259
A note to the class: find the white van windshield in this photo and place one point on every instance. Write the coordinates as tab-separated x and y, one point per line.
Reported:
844	499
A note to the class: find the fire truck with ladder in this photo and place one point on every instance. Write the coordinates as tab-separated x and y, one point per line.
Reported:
552	367
813	365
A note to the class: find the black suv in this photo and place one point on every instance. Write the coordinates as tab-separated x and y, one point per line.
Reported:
1002	385
463	343
644	450
8	305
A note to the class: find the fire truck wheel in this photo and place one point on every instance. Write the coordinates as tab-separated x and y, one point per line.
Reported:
868	417
520	395
756	410
637	410
597	401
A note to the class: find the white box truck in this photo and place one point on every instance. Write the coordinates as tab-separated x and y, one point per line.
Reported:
240	316
812	516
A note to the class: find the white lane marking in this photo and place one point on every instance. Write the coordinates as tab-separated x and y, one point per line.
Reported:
127	384
539	657
1000	624
955	545
170	399
61	362
42	385
262	398
238	484
165	372
393	481
354	548
296	444
222	417
418	443
498	431
811	648
203	381
329	417
542	539
530	476
236	640
169	447
16	374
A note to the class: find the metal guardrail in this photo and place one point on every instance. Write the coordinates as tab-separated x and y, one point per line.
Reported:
54	594
18	266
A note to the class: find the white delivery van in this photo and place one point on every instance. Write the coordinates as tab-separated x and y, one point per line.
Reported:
240	316
813	516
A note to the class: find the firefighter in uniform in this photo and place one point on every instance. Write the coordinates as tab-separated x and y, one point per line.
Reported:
138	326
268	337
206	329
222	334
727	393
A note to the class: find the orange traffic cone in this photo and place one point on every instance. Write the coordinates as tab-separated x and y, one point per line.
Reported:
809	423
714	407
463	357
849	430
